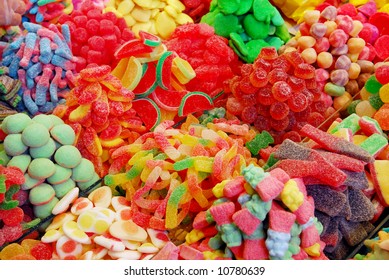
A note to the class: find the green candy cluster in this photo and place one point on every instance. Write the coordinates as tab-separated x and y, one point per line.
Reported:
249	25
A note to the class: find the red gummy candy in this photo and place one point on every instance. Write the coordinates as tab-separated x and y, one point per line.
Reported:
12	217
382	74
41	251
281	91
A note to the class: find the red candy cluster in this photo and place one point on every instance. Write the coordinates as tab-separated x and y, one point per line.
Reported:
277	94
95	36
209	55
12	204
100	111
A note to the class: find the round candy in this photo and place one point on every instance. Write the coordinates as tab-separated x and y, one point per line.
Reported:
13	145
68	156
45	151
63	134
62	189
41	194
41	168
60	175
45	120
84	171
35	135
21	161
44	210
16	123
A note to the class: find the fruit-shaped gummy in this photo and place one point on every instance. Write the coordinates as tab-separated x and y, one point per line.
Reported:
281	91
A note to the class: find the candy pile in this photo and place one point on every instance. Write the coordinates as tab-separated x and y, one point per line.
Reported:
99	109
376	93
333	169
95	36
100	227
278	94
260	215
158	17
329	41
158	78
168	174
42	60
248	25
15	213
54	170
46	11
213	61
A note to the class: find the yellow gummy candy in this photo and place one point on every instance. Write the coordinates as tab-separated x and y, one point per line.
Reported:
217	190
165	24
194	236
125	7
314	250
11	250
182	70
147	4
130	21
291	195
119	70
141	15
133	74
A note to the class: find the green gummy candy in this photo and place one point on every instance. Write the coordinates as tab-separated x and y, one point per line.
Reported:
254	28
35	135
372	85
226	24
375	101
21	161
244	7
238	43
260	141
31	224
41	168
254	48
236	50
63	134
209	18
84	171
351	122
60	175
334	90
283	33
374	144
275	42
45	151
2	184
352	106
263	10
228	6
44	210
67	156
45	120
41	194
13	145
270	162
183	164
16	123
63	188
277	19
4	158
